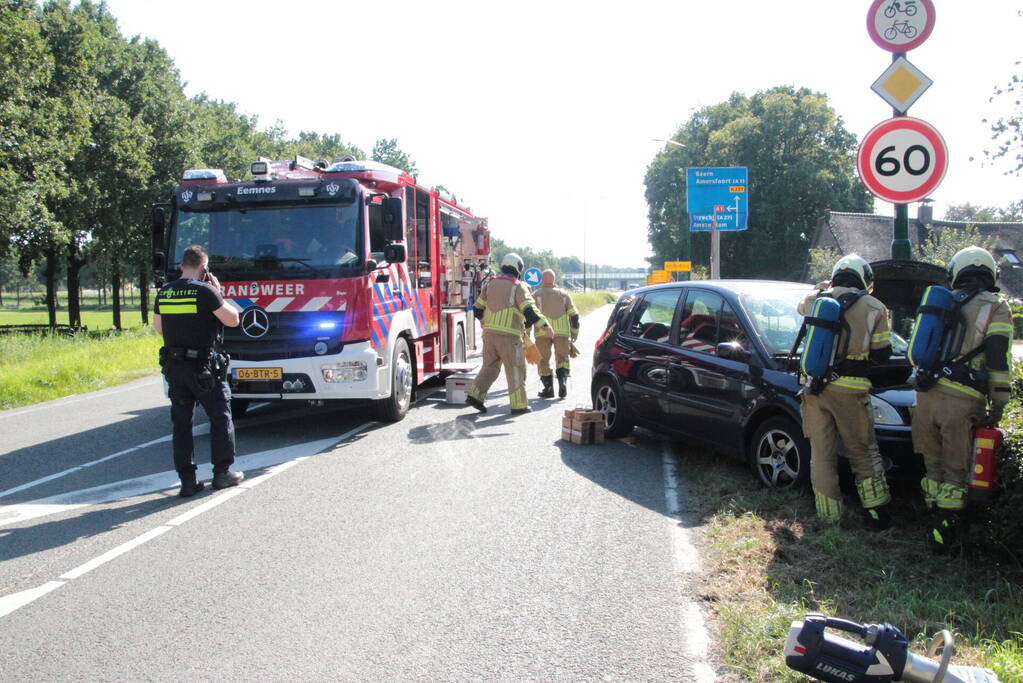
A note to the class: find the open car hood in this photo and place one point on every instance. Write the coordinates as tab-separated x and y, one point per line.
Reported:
899	285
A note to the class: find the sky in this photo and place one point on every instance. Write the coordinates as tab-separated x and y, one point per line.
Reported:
541	115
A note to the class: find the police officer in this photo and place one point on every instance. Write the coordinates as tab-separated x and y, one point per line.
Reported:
556	305
976	374
506	308
841	407
189	313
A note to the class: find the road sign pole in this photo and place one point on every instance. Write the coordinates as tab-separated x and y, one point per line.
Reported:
901	246
715	249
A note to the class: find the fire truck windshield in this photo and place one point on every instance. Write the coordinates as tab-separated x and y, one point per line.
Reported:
277	241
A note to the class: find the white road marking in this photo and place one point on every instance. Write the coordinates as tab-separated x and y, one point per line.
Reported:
694	630
81	570
199	430
10	603
106	493
686	559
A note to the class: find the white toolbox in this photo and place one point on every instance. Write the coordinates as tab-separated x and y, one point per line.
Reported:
457	387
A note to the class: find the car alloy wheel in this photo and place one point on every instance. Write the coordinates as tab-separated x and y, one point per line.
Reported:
780	455
607	400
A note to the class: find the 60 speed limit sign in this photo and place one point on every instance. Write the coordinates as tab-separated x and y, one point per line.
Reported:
902	160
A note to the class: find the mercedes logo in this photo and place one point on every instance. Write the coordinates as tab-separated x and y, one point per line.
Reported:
255	322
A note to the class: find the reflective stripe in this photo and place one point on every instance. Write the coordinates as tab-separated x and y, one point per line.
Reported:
930	488
517	399
183	300
561	326
874	492
951	496
999	328
827	508
847	382
508	321
961	388
178	308
881	337
477	393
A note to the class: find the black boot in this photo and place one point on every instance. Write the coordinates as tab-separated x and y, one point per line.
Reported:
548	386
562	374
877	519
225	480
189	485
945	533
475	403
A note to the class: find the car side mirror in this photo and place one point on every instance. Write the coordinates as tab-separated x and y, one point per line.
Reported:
393	229
395	253
733	351
159	260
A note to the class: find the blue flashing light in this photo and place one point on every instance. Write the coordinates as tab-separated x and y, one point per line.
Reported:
215	174
327	325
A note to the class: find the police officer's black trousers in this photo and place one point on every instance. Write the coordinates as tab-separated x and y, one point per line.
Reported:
184	393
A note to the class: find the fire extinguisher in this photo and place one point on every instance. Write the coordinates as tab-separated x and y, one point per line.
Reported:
986	442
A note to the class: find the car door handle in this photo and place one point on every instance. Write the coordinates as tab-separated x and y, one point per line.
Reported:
658	376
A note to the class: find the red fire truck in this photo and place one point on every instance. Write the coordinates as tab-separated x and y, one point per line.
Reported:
352	281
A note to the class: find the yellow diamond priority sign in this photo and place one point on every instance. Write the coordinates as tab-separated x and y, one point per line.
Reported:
901	84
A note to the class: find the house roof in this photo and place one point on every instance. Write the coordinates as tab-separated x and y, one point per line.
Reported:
870	236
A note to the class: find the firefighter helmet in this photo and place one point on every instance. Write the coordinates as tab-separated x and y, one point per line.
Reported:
972	261
513	260
855	265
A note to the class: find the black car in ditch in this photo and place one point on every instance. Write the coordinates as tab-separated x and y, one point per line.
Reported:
708	361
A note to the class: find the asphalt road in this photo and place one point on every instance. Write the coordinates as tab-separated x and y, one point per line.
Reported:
448	546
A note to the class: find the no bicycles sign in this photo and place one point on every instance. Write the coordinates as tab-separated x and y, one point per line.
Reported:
902	160
900	25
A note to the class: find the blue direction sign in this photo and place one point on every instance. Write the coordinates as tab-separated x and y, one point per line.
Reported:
532	277
717	194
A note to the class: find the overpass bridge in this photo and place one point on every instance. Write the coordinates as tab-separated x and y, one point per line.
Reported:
607	279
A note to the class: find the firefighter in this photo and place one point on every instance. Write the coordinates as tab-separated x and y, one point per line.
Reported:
839	406
972	391
556	305
189	313
506	308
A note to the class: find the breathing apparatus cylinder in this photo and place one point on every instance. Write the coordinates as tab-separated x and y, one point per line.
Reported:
986	441
925	344
822	326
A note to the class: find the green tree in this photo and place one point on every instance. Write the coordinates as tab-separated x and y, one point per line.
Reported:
800	160
386	151
943	242
820	262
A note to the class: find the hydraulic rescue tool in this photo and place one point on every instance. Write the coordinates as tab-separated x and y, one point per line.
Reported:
883	656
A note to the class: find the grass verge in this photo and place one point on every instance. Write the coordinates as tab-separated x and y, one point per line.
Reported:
41	368
589	301
770	561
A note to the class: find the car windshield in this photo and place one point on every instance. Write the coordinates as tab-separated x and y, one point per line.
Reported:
305	241
776	319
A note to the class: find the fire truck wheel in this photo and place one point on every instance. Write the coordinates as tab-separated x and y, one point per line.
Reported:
239	407
394	407
458	351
